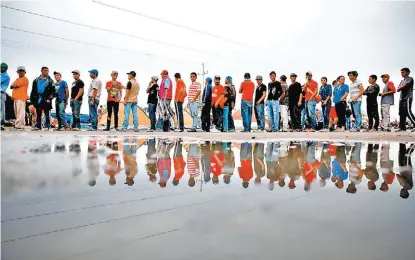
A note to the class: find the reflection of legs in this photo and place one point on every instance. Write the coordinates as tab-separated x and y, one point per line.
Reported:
284	115
135	116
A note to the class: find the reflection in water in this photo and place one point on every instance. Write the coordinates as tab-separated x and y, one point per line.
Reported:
344	166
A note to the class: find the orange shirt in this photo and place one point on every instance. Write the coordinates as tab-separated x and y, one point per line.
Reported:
388	178
179	165
311	89
246	172
217	162
217	91
180	86
113	165
248	88
20	93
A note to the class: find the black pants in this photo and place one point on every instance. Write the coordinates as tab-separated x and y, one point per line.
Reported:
341	113
39	110
326	114
295	115
405	106
231	124
217	114
179	114
206	116
373	113
112	105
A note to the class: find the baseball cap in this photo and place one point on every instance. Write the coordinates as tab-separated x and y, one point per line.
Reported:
155	78
21	68
247	76
93	71
132	73
77	72
4	65
217	77
293	75
259	77
164	72
385	76
114	72
56	72
309	73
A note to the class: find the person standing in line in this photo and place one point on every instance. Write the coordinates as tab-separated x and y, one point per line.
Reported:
179	97
77	93
294	99
114	89
62	95
218	101
332	114
247	91
130	101
356	92
20	86
325	93
226	106
165	96
405	103
348	115
372	93
207	100
260	94
94	93
386	102
246	172
230	89
194	99
178	162
274	93
311	91
152	100
340	93
5	81
284	100
43	91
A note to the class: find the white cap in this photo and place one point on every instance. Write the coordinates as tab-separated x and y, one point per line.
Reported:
76	71
114	72
21	68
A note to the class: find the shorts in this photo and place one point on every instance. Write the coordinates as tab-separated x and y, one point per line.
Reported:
333	113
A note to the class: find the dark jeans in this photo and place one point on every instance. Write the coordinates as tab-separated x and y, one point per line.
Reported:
341	113
60	112
295	115
326	114
405	106
39	110
231	123
206	116
217	113
76	113
179	114
373	113
152	113
112	105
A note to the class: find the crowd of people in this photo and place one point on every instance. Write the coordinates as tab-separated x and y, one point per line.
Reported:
289	106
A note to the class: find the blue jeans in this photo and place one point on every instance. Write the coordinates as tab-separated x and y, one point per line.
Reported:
311	106
179	114
60	113
304	117
357	113
93	113
194	111
76	113
130	106
260	116
2	107
246	108
347	123
225	126
326	114
274	114
152	113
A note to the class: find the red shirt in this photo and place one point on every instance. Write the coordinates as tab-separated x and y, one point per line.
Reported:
391	86
217	91
179	165
246	172
216	161
248	88
310	90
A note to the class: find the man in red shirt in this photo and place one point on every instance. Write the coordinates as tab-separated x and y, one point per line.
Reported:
247	90
246	171
311	90
218	101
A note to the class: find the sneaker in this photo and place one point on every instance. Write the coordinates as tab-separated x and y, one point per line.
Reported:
232	130
18	129
76	129
58	129
214	130
106	130
35	128
191	130
354	130
137	130
150	130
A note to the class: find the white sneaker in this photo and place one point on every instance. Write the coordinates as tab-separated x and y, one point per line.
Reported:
214	130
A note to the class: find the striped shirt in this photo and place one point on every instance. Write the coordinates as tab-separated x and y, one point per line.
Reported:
355	89
193	89
193	167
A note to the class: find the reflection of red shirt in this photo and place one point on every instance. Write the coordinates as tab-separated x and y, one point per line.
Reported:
113	165
246	172
332	150
179	165
164	166
216	163
388	178
308	174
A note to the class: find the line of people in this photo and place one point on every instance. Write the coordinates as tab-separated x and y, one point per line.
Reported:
290	107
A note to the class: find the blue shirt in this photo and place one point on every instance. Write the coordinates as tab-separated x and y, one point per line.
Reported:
326	91
339	92
60	90
167	83
5	81
337	170
207	94
41	86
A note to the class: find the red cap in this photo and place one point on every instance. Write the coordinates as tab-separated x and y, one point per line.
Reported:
164	72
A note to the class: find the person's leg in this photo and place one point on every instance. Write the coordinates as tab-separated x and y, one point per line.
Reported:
62	114
21	113
276	111
312	113
73	125
258	121
261	114
409	113
127	108
249	115
220	119
181	120
57	110
38	117
369	111
244	113
152	114
2	107
134	109
231	123
376	116
303	118
284	116
338	112
270	114
78	105
93	113
214	116
225	118
109	113
402	114
47	118
358	111
116	106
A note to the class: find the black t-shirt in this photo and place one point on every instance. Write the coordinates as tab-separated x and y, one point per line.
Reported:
294	92
76	86
407	92
274	90
152	94
259	91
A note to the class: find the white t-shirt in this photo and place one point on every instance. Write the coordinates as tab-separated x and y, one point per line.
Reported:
355	90
95	84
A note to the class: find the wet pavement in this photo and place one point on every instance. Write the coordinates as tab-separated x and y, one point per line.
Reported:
133	197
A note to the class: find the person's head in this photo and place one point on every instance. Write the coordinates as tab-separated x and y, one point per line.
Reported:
193	76
21	71
258	79
114	75
283	79
372	79
352	75
92	182
384	187
291	184
228	80
271	186
175	182
45	71
333	179
247	76
341	80
226	179
371	185
257	180
76	74
307	186
334	83
131	75
351	188
192	181
152	178
404	194
385	78
281	182
164	74
154	79
245	184
217	80
58	75
4	67
339	184
323	80
293	77
322	183
215	179
93	73
405	72
177	76
272	76
309	75
208	81
112	180
162	184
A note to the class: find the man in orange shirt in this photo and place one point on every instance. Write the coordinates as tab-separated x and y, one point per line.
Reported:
179	99
247	90
245	171
218	102
19	96
311	90
178	161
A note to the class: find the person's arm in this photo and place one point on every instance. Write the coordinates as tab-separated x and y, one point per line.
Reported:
315	91
119	98
108	86
284	93
241	89
127	92
219	100
66	94
404	84
329	96
300	100
344	97
95	92
80	92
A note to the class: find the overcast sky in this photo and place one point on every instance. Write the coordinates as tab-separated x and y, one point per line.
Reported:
328	38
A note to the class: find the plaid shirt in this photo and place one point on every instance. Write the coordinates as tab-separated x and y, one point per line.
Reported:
325	91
